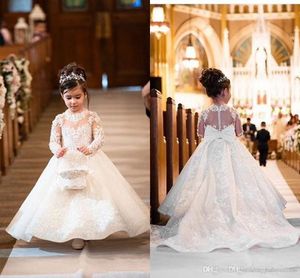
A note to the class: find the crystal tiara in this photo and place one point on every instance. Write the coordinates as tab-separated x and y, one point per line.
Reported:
72	76
224	78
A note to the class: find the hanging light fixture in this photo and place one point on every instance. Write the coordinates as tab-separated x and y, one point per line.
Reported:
158	25
190	58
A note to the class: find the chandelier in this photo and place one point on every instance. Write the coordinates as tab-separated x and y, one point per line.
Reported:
158	25
190	60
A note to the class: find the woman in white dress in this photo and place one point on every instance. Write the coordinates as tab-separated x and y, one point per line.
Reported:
80	195
222	199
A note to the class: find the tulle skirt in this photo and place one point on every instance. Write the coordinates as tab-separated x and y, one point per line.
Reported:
222	199
107	205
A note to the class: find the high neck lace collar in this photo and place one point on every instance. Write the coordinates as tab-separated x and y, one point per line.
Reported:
218	107
75	117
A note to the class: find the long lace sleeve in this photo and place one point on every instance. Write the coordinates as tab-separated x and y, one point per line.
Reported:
98	133
55	135
201	124
237	123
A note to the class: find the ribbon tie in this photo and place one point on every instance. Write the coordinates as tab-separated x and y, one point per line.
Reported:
226	134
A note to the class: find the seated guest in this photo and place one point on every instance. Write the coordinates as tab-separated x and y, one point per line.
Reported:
5	36
249	133
39	30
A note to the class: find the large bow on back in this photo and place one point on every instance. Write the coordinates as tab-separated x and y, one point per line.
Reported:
227	134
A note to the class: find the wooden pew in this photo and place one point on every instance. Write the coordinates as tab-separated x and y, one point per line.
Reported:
173	138
39	55
182	138
191	131
172	141
272	144
291	157
4	145
157	156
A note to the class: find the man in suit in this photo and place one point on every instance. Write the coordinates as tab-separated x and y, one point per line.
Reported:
249	133
262	137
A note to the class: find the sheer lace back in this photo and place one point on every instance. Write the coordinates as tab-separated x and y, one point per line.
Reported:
219	117
73	130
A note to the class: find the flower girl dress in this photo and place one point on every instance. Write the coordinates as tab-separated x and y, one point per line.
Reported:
222	199
104	205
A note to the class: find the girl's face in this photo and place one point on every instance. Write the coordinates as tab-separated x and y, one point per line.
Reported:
226	95
74	99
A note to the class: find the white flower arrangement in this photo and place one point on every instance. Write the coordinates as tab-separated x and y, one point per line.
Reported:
12	83
297	138
2	103
292	139
23	95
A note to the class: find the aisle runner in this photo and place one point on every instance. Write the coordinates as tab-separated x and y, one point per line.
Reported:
292	210
117	257
257	262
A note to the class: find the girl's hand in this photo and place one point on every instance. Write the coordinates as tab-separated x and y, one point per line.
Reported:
84	150
61	152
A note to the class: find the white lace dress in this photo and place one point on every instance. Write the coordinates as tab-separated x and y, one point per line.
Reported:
222	199
108	204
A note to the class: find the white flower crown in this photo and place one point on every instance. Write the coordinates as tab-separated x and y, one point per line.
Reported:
72	76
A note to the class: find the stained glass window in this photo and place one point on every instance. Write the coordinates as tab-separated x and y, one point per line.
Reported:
24	6
75	5
129	4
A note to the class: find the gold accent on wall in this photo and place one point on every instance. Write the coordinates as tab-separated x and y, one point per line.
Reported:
297	16
223	20
160	49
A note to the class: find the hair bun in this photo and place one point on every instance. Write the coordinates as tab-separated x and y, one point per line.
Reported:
209	77
214	81
73	68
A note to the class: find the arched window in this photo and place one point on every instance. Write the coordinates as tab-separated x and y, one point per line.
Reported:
186	80
20	6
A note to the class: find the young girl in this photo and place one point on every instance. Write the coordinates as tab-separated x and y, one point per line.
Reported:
222	199
80	195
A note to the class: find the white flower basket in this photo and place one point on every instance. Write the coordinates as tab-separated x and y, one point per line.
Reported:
72	170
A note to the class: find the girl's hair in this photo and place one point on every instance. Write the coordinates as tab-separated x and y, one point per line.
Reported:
214	81
71	76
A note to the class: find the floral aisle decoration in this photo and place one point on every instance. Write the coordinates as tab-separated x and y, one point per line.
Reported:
12	83
297	138
292	139
23	95
2	103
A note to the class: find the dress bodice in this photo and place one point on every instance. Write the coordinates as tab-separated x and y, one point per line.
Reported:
73	130
219	119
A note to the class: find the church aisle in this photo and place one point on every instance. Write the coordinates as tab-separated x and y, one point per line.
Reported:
126	131
291	176
286	185
256	262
